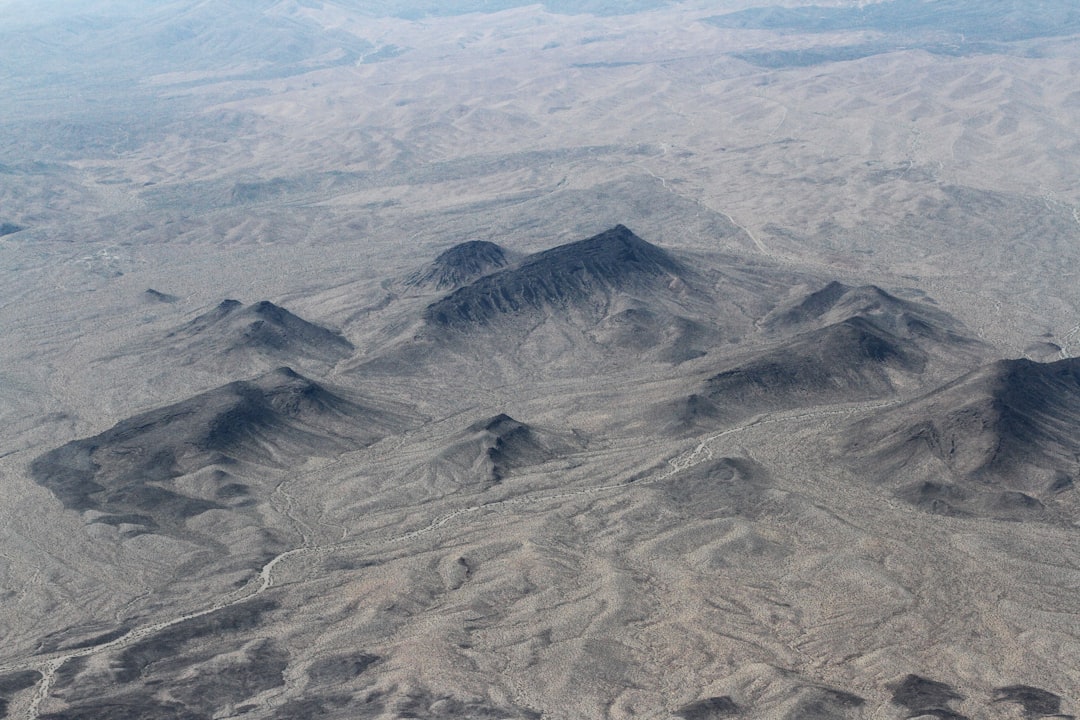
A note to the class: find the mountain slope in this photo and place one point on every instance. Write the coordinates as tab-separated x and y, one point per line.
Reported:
491	449
586	304
838	344
852	360
1002	440
575	274
459	266
260	331
221	442
837	302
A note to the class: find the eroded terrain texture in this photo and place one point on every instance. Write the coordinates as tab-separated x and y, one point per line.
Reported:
491	360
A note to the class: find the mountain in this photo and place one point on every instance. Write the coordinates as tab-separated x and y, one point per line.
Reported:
227	444
1002	440
233	332
837	302
459	266
577	274
852	360
491	449
151	295
837	344
586	304
974	22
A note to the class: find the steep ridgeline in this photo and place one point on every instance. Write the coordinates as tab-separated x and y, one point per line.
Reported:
838	344
581	273
459	266
222	449
1002	441
587	304
260	333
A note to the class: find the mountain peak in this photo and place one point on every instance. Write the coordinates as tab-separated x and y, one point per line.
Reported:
262	328
460	264
571	274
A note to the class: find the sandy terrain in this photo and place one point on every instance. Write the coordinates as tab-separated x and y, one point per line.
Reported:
635	494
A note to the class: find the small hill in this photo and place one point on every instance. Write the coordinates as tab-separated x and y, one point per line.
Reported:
490	450
460	265
847	362
1001	441
151	295
262	331
837	302
839	344
128	475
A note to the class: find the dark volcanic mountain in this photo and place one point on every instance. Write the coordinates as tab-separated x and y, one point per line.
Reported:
852	360
840	344
263	330
574	274
1003	440
128	475
837	302
460	265
587	305
151	295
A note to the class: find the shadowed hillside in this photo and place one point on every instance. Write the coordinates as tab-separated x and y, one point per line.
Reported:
460	265
128	474
1002	440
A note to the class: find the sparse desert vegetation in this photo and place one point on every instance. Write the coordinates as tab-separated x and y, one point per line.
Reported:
491	360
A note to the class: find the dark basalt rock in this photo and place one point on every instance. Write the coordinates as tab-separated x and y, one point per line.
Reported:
492	448
341	668
152	295
822	703
11	683
262	328
999	441
709	709
567	275
922	696
843	362
837	302
1036	702
207	663
126	472
460	265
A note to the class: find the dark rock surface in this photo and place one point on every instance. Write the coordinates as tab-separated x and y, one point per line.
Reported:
1002	440
460	265
126	473
156	296
261	329
836	344
850	361
923	696
566	275
1035	701
490	450
711	708
837	302
11	683
209	662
